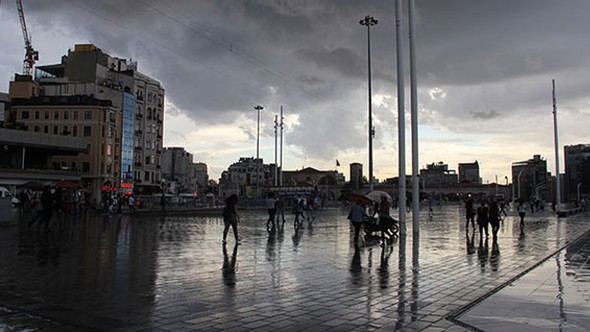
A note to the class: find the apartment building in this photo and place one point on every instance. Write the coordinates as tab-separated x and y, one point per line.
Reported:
94	120
87	70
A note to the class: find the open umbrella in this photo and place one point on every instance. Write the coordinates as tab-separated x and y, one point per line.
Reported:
376	196
358	198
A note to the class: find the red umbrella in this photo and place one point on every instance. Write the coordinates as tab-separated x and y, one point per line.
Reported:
70	185
357	198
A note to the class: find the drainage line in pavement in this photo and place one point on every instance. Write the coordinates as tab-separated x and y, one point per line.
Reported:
454	316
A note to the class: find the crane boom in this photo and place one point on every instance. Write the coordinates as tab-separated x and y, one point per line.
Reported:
31	55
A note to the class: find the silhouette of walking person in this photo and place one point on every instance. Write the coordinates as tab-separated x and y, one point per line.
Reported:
494	217
522	213
356	216
482	219
231	217
469	213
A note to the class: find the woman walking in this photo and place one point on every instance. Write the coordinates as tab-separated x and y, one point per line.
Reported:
231	217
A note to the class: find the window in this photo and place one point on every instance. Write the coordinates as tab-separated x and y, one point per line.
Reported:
75	131
66	115
46	129
46	115
85	167
24	115
147	161
37	114
55	129
66	131
147	176
55	115
37	129
109	150
87	131
75	115
87	115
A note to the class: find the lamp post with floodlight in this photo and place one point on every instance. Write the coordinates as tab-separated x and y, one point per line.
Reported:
369	21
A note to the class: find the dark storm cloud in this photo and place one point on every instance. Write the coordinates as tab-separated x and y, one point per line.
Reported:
342	61
477	61
484	115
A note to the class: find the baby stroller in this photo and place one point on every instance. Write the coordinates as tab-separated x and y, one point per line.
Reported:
372	226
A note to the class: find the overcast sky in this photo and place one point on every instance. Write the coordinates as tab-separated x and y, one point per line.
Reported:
484	74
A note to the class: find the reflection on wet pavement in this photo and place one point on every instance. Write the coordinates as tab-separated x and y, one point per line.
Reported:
126	273
554	296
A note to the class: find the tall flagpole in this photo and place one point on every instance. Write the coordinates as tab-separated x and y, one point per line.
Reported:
557	180
414	112
276	182
281	158
401	119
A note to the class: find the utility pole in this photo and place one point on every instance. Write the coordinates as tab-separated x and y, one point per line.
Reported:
281	171
414	119
258	108
369	21
558	181
276	161
401	119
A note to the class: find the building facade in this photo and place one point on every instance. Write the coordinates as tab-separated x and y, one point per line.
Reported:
469	173
438	175
177	168
530	178
356	176
85	117
87	70
577	171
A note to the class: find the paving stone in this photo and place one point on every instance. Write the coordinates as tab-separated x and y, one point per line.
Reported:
130	274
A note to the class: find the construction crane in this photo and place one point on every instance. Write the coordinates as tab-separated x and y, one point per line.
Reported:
31	55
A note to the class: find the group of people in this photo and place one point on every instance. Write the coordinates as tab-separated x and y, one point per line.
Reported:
276	213
358	215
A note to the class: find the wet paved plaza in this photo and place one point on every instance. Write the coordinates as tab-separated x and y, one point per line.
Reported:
155	273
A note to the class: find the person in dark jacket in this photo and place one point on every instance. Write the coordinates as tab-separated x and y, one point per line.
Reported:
231	217
494	217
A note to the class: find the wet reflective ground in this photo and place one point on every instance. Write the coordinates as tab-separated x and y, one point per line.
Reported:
159	273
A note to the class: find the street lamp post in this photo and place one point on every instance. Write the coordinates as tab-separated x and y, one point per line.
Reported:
258	108
369	21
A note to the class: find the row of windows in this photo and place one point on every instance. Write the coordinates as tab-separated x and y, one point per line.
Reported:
65	130
72	166
55	115
152	177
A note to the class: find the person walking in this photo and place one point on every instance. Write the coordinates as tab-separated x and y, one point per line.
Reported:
384	218
494	217
356	216
469	213
131	203
521	212
272	210
280	209
231	217
482	219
